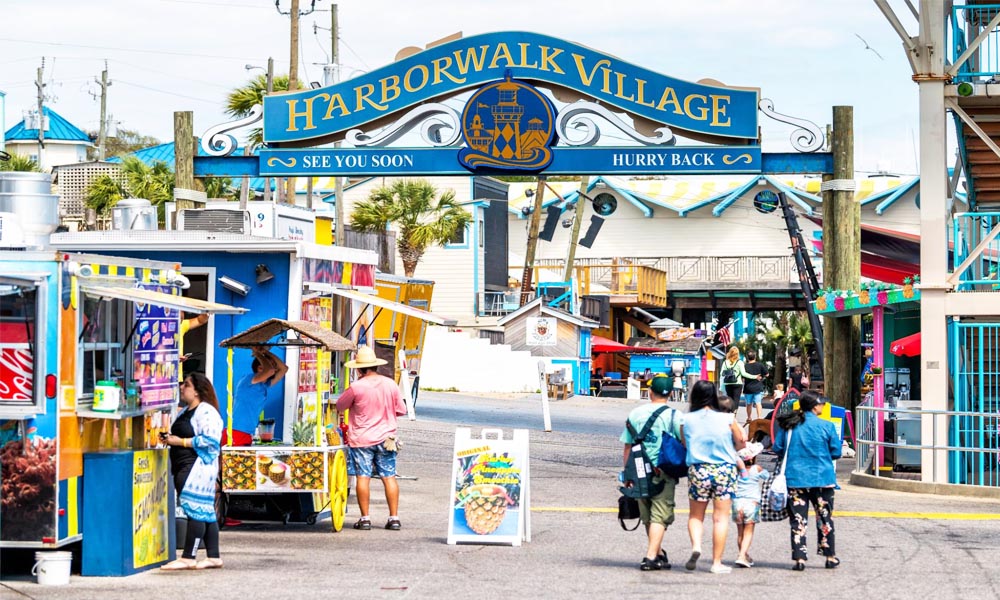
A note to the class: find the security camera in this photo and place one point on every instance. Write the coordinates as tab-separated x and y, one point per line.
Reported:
234	286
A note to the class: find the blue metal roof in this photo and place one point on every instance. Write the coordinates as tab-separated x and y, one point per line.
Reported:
59	130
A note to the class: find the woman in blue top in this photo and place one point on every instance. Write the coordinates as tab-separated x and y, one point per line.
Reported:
712	439
810	447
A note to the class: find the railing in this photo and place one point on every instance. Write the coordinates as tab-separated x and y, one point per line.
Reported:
732	272
612	277
973	465
498	304
969	230
967	22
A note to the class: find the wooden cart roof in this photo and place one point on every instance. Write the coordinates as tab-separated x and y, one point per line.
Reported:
310	334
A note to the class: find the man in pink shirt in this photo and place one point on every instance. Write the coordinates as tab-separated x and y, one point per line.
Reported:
374	402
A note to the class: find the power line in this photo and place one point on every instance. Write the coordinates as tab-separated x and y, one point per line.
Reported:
152	89
162	52
216	4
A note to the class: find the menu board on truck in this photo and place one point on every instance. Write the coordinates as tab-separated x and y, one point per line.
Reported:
156	353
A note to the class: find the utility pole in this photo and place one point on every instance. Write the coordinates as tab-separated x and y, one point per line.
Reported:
841	264
102	136
529	253
581	204
293	80
270	88
41	115
331	77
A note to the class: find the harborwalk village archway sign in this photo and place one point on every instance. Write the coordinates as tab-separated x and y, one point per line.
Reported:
508	126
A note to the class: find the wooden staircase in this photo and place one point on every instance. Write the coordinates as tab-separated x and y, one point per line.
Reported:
981	162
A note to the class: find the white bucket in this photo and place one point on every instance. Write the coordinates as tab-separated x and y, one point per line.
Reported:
52	568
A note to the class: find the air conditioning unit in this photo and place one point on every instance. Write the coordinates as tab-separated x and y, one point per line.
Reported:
216	219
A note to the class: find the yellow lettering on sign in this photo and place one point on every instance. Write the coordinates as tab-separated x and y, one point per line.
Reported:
620	93
585	77
293	114
389	85
471	58
670	97
549	59
719	106
641	93
336	101
502	51
362	93
524	56
441	66
606	87
424	76
702	109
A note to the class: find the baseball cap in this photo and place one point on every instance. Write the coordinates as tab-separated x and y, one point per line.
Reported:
662	384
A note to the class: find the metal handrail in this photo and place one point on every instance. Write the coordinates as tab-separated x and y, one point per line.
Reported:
874	444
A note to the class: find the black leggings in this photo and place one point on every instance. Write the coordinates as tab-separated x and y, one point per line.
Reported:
198	531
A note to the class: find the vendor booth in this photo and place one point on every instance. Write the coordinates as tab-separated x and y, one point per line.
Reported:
316	462
887	380
88	377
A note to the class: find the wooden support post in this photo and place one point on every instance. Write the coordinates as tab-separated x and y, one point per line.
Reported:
184	150
841	262
529	253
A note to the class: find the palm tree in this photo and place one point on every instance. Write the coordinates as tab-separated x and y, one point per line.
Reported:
795	333
219	187
103	193
420	216
242	99
777	337
19	162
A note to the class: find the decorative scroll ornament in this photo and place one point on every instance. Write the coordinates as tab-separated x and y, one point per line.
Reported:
216	142
576	128
434	119
807	138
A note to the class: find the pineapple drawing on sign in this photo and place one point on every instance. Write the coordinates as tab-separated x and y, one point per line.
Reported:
487	486
864	297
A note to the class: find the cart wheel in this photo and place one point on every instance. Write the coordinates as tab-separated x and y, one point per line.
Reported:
311	519
338	489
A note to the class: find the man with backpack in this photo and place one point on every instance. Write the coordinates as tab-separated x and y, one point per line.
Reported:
643	437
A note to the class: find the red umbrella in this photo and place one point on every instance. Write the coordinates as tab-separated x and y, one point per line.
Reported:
603	344
906	346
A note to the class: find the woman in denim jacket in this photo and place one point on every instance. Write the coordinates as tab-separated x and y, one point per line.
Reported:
809	470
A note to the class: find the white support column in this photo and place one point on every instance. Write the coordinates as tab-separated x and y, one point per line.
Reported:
933	235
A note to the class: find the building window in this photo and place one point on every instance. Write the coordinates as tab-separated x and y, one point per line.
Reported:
458	239
480	233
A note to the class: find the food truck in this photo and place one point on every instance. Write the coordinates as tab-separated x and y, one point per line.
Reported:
88	377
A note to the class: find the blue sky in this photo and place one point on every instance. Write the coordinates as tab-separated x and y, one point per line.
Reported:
168	55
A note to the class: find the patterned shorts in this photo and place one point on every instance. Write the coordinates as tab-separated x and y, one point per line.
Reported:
708	481
746	510
364	459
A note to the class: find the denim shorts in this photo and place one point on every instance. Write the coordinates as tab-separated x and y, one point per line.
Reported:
364	459
757	399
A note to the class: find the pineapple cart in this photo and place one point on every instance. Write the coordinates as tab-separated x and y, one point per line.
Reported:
316	461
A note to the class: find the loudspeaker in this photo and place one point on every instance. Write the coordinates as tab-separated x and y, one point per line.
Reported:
595	227
551	222
605	204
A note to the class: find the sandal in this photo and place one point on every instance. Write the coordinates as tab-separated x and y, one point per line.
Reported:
363	524
832	563
181	564
392	525
209	563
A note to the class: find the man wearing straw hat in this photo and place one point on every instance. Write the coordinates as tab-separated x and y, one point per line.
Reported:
374	401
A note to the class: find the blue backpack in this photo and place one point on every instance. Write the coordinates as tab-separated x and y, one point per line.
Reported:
673	455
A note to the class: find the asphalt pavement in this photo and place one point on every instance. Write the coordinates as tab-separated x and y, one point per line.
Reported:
892	544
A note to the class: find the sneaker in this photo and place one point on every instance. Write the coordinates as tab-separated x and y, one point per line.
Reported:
739	562
648	564
364	524
692	562
392	524
721	569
